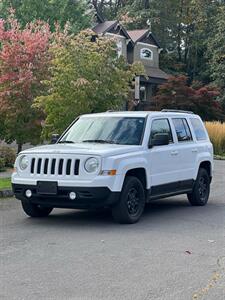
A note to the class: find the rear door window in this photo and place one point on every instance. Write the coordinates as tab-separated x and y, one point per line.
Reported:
182	130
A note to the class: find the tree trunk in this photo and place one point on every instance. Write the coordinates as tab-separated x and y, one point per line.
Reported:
19	147
146	4
179	34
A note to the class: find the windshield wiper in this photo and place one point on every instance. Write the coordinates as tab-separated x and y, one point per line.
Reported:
99	141
65	142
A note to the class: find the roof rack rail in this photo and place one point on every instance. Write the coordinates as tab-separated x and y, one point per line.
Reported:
177	111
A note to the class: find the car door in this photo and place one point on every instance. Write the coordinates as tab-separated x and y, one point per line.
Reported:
186	151
162	159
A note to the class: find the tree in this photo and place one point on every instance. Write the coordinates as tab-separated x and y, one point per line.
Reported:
86	76
108	9
51	11
202	100
23	64
181	26
216	53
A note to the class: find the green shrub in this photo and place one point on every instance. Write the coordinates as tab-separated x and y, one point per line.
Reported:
8	155
2	164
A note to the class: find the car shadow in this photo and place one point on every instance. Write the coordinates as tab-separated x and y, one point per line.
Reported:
156	211
74	217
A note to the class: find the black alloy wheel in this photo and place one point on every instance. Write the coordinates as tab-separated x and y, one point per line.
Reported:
131	203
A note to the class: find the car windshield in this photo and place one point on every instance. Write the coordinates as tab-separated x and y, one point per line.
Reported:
111	130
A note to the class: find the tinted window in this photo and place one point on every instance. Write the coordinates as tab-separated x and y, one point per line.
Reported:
118	130
198	129
182	130
161	126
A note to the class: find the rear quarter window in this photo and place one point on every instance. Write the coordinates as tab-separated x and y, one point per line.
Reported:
199	129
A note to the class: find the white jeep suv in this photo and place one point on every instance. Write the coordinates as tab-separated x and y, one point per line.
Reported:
119	160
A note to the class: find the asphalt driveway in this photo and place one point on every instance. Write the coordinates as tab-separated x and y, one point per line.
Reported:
176	252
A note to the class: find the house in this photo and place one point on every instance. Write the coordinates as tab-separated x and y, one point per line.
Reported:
137	45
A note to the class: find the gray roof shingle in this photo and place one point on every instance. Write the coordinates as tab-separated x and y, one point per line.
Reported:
135	35
156	73
101	28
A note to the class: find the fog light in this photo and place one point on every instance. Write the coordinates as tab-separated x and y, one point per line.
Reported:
28	193
72	195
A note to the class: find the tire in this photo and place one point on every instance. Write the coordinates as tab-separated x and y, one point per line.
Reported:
200	194
34	210
131	203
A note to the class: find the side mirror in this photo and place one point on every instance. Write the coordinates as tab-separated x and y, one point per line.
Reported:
54	138
160	139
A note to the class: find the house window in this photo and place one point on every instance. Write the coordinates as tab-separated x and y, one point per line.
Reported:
146	54
143	93
119	45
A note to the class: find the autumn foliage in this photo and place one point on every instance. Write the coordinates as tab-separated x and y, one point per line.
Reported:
86	76
23	65
177	94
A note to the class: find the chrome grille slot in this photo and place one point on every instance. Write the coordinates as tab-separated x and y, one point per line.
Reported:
76	167
39	166
68	167
54	166
60	168
32	166
46	166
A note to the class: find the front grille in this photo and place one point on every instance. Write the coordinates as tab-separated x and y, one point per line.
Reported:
55	166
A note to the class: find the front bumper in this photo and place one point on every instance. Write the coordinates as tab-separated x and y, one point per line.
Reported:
87	197
113	183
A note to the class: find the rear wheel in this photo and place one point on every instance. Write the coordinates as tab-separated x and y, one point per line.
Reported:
34	210
132	202
200	194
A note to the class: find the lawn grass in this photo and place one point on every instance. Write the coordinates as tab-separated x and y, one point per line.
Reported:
5	183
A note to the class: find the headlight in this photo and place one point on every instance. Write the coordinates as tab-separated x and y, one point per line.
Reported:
23	162
91	165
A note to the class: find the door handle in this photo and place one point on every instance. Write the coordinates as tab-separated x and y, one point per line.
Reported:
194	150
174	152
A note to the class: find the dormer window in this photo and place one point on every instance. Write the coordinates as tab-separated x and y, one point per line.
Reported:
146	54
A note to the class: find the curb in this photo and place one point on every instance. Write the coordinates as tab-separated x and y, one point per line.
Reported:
217	157
6	193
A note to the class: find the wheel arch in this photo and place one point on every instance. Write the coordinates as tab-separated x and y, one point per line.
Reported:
140	173
207	165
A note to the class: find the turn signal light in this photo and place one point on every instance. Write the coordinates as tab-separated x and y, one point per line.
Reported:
112	172
109	172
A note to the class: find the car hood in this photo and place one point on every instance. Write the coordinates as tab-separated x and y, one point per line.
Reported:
83	149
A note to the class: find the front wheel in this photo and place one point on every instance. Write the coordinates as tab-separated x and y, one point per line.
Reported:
34	210
132	202
200	194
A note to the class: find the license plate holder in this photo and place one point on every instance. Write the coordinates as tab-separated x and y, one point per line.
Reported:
47	187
